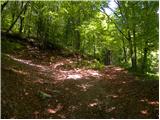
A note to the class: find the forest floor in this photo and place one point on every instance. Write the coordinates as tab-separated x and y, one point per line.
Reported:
39	84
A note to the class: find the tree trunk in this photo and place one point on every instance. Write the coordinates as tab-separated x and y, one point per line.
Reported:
24	8
135	51
134	42
78	40
21	25
78	43
144	60
108	57
3	5
131	50
21	19
124	51
94	48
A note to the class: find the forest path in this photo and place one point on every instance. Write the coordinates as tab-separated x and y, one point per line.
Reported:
36	84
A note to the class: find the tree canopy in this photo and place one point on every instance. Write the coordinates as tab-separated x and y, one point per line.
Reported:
128	36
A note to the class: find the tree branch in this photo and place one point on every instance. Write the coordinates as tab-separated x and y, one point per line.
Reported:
3	5
114	23
24	8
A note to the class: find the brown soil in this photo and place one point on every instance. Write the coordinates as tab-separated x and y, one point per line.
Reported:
75	92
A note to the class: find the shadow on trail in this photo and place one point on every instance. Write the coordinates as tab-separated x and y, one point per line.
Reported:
36	90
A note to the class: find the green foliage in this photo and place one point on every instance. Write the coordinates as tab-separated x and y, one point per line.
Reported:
8	46
42	95
151	76
130	33
93	64
97	65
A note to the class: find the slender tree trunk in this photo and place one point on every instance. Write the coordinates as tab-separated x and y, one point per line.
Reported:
107	57
145	49
21	19
21	25
124	51
144	60
24	8
67	29
3	5
94	48
131	50
83	50
134	42
78	43
78	40
135	51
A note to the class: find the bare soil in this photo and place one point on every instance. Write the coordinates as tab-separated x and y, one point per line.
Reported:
74	92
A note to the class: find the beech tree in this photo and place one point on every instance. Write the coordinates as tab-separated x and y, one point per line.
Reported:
128	36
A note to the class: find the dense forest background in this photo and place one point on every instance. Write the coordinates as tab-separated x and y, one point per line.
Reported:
79	59
128	36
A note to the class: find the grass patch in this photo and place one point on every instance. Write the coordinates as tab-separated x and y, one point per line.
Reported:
148	76
151	76
8	46
93	64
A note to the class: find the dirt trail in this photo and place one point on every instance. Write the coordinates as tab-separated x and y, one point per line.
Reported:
73	92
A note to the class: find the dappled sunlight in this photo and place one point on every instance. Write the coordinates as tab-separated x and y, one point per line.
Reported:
95	102
124	82
69	61
152	103
74	77
84	87
51	111
79	59
112	96
75	73
28	62
62	70
110	109
72	108
114	70
63	90
118	69
144	112
58	73
57	64
56	109
38	81
19	60
62	116
36	113
19	71
79	74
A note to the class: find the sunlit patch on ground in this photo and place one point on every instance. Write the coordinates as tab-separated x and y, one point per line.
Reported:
144	112
55	110
59	73
110	109
74	77
82	93
119	69
93	104
41	81
154	103
78	74
112	96
28	62
17	71
84	87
